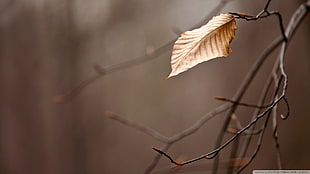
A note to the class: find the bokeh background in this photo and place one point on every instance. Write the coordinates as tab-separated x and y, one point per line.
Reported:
47	47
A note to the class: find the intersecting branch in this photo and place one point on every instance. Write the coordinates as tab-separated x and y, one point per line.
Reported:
292	26
235	102
278	77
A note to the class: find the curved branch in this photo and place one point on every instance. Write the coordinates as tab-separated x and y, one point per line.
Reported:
293	25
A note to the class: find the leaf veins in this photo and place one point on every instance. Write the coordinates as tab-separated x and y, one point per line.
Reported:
205	43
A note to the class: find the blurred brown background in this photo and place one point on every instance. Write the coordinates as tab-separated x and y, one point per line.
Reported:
48	46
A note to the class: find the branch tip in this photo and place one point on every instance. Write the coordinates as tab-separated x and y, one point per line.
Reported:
238	162
167	156
232	130
233	116
110	115
220	98
157	149
288	110
59	98
283	117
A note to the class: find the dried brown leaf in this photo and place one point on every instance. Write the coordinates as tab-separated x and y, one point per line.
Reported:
205	43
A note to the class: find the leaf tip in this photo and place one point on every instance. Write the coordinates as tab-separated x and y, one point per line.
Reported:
167	78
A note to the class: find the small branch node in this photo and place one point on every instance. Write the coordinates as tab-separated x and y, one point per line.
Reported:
281	24
99	69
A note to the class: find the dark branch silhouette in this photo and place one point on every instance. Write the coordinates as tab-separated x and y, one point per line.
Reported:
235	102
295	20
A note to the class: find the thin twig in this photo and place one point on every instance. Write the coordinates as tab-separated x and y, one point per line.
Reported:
276	139
258	146
155	160
163	153
233	153
209	115
259	16
247	81
248	132
290	29
295	20
274	117
168	141
132	62
200	167
213	153
235	119
198	124
240	103
138	126
241	91
267	5
260	139
248	139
